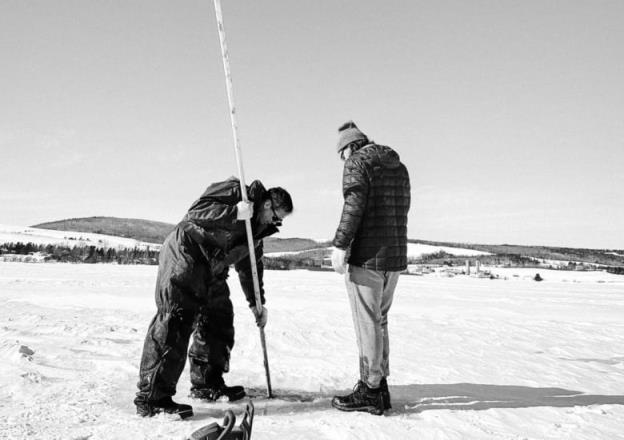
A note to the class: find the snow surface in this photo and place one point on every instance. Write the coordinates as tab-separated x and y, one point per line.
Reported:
614	253
414	250
470	358
15	234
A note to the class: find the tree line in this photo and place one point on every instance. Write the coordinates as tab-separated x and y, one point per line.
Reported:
82	254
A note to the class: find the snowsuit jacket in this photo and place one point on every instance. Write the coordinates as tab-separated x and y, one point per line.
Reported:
211	222
376	190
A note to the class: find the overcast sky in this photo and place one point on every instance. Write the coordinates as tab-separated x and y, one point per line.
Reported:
508	114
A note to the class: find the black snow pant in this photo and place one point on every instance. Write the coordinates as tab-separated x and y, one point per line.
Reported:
191	301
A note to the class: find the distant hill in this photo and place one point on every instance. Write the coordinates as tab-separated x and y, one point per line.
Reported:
607	257
155	232
142	230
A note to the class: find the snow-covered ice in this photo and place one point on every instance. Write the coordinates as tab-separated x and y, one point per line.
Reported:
470	358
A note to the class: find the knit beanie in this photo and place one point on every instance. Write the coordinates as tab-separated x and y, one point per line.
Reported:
347	133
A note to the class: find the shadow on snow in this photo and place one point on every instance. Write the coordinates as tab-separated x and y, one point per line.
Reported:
411	399
469	396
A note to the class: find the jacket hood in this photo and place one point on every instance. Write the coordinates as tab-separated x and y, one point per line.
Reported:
256	191
379	154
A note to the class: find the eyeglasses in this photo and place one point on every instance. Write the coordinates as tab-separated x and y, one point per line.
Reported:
276	220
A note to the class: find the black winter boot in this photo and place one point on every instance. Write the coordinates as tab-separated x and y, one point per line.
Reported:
362	398
383	385
149	408
218	389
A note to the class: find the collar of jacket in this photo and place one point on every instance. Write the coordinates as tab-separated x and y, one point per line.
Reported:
264	232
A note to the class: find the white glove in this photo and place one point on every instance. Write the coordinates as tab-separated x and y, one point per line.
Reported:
244	210
338	260
261	317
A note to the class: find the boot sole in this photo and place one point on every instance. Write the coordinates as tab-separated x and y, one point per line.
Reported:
369	409
185	414
231	398
237	396
182	414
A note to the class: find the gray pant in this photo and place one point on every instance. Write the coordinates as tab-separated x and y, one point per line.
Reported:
370	294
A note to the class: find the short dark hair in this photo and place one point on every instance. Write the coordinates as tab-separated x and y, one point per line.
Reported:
280	199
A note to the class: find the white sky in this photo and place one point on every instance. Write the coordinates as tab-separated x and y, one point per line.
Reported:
508	114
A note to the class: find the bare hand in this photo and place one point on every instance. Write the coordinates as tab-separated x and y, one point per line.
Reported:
338	260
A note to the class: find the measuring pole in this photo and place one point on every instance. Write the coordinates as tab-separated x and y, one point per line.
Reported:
241	174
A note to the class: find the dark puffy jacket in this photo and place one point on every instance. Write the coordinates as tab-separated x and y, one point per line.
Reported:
211	223
376	192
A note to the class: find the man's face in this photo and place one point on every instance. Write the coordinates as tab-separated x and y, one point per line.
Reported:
268	215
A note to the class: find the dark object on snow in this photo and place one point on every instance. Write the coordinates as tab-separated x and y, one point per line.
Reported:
214	431
25	351
220	389
537	277
166	405
227	432
362	398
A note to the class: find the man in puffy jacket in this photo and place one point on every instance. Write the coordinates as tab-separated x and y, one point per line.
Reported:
193	298
373	232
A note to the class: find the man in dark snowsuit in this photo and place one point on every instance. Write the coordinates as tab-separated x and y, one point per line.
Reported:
373	228
193	298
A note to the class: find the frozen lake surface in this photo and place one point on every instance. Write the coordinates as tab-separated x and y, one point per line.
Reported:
470	358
